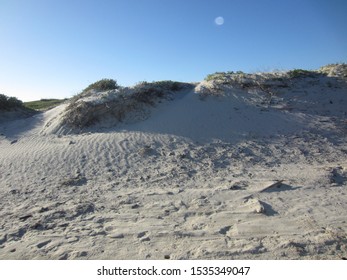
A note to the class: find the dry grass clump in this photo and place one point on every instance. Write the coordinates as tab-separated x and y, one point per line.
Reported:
216	84
334	70
244	80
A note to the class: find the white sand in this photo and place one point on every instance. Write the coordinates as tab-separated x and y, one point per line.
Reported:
189	182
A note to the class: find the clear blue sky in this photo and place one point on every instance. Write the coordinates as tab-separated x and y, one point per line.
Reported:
55	48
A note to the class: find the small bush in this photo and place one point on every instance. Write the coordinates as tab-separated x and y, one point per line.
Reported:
221	76
9	103
169	85
240	72
300	73
102	85
147	93
99	86
217	76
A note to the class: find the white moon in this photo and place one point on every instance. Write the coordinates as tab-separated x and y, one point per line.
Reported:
219	20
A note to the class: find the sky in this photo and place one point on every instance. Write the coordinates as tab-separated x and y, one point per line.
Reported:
55	49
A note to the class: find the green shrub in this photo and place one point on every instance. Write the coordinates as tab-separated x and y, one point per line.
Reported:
9	103
221	76
169	85
300	73
102	85
148	92
217	76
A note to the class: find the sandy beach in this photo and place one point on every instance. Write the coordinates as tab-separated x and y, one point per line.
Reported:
249	168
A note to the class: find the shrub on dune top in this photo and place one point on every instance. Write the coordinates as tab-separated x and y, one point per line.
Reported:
300	73
170	85
102	85
99	86
148	92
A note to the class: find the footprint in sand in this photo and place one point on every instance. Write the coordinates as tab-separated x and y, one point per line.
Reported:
224	230
142	236
43	244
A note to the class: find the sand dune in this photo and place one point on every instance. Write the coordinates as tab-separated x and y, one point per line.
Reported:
221	170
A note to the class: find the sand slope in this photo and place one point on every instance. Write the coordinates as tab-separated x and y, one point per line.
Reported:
189	181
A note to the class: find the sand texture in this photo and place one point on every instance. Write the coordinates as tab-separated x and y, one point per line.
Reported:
216	171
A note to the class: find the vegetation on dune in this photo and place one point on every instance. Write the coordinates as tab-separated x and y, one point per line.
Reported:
170	85
222	75
337	69
215	82
97	102
102	85
300	73
146	92
231	75
10	103
270	83
99	86
43	104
